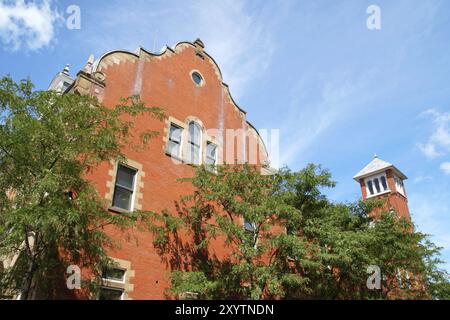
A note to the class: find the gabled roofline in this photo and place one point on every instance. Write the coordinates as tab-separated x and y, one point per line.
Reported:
107	53
166	49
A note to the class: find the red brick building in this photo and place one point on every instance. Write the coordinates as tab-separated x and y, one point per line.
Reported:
204	125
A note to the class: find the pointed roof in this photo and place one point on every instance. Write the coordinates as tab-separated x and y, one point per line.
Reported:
62	80
376	166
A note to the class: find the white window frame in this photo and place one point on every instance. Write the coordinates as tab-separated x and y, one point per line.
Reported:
200	146
372	179
202	82
116	281
399	186
133	194
215	154
115	289
180	151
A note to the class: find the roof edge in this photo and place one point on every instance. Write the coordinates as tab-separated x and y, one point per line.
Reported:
396	170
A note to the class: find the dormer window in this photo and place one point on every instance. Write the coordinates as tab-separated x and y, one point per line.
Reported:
376	185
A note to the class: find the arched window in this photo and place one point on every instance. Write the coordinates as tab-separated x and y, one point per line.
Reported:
194	143
370	186
384	183
376	184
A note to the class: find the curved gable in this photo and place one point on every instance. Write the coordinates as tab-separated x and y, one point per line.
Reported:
98	70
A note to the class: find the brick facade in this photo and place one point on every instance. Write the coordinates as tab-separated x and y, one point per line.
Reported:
163	80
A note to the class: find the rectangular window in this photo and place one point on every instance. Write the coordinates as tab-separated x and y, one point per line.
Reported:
175	135
114	274
376	185
211	149
124	188
107	293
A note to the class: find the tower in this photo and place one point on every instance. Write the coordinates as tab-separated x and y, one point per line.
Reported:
62	81
382	180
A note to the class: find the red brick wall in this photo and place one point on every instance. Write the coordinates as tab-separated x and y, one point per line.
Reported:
163	81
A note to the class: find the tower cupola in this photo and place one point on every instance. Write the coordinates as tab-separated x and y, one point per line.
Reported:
382	180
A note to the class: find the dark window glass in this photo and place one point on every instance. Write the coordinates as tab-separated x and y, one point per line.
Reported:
110	294
122	198
65	86
114	274
384	183
197	78
125	177
377	185
123	190
370	186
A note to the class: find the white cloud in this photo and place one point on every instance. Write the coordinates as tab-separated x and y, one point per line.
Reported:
429	150
438	143
422	178
445	166
26	24
337	95
238	37
240	40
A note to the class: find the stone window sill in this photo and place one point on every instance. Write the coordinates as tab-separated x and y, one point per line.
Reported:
118	210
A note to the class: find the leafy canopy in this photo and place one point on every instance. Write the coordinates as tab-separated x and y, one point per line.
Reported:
50	214
296	244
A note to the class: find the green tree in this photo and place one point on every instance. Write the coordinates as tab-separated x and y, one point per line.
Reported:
50	214
215	215
300	244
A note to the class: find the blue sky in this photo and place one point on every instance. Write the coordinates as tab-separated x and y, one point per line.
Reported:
337	91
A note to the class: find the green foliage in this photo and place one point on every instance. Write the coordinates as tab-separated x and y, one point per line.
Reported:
303	245
50	214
